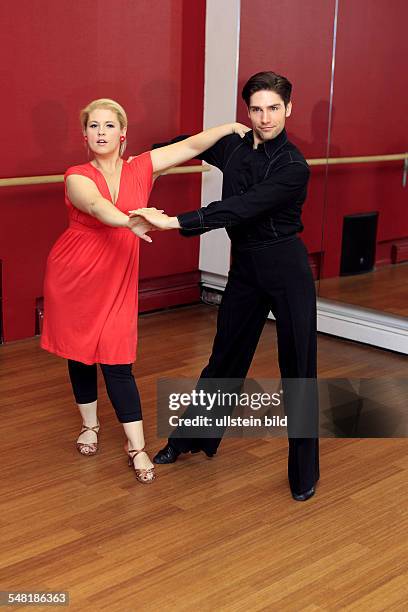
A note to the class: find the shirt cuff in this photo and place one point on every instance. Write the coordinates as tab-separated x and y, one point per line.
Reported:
191	220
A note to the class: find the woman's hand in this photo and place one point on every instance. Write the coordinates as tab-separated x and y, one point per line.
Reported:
179	152
139	226
155	218
240	128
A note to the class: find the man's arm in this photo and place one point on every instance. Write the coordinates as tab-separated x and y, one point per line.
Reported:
215	155
282	189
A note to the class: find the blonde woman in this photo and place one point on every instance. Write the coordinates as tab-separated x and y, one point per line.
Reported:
91	281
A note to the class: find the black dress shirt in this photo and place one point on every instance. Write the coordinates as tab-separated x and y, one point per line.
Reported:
262	195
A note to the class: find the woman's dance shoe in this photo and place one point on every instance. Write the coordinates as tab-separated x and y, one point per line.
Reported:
143	475
88	448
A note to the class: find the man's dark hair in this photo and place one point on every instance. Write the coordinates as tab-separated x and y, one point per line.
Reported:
267	80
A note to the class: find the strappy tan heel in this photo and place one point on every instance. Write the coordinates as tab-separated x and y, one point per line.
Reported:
88	448
143	475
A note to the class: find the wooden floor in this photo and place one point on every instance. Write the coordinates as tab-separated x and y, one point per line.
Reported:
219	534
385	289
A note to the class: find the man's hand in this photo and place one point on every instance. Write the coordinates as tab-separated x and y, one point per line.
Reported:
156	218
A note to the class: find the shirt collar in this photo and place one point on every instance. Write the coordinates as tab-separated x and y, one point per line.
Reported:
270	146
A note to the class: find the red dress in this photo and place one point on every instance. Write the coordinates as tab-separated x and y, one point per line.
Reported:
91	279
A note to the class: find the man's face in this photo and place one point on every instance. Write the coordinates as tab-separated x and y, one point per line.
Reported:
267	114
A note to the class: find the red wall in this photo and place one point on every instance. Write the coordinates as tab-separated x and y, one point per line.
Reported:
56	57
294	38
149	55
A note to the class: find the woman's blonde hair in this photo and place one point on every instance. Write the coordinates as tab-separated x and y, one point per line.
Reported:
111	105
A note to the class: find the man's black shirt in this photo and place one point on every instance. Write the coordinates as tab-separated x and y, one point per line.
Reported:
262	195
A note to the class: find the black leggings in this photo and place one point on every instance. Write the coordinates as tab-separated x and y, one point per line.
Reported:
120	386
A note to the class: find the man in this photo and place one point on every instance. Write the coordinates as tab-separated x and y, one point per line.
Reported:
264	186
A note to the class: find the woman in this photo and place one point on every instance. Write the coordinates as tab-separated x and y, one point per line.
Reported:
90	289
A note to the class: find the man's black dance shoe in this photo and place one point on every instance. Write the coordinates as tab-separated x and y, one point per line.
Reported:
168	454
304	496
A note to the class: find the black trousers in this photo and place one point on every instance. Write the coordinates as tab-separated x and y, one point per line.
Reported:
120	386
277	278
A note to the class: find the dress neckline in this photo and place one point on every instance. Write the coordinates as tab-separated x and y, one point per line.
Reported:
106	182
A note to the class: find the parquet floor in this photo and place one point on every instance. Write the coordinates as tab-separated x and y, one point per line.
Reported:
219	534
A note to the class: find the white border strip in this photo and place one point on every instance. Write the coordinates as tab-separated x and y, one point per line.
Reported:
381	329
344	320
220	106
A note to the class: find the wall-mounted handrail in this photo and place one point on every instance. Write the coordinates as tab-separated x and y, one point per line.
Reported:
365	159
321	161
59	178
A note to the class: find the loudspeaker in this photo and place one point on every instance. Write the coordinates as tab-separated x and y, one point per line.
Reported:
358	243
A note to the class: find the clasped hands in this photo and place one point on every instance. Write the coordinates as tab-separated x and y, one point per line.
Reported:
145	220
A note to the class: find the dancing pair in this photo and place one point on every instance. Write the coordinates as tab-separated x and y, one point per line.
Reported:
91	279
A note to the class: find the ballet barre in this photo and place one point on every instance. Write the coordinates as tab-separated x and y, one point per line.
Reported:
59	178
321	161
365	159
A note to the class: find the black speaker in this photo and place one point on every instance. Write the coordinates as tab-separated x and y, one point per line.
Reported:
358	243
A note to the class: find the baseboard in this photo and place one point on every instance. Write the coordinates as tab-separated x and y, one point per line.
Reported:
166	291
381	329
399	252
373	327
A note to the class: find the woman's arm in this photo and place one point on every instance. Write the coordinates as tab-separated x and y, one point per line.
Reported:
177	153
84	195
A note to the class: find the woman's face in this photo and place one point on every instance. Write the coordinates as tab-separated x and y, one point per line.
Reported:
103	131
